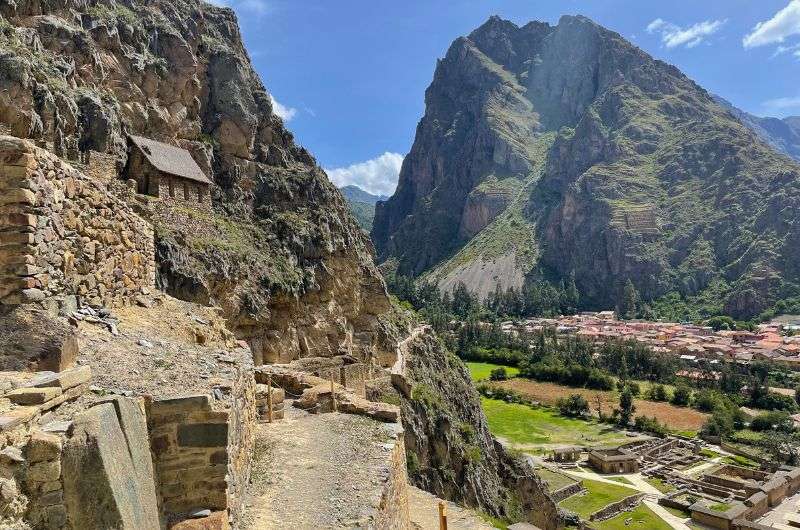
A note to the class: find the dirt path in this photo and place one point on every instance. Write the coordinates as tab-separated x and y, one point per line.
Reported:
313	471
424	509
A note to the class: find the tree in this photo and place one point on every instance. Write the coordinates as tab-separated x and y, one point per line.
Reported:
719	424
681	396
463	301
571	295
626	407
629	301
575	405
721	322
598	405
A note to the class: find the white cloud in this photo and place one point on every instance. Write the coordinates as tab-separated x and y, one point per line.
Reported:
785	23
793	49
782	104
673	35
377	176
284	112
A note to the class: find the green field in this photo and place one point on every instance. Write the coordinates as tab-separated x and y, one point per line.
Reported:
599	494
642	518
739	460
659	484
480	371
527	427
621	480
555	481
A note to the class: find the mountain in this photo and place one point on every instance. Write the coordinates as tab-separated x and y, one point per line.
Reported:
547	151
783	134
362	204
355	194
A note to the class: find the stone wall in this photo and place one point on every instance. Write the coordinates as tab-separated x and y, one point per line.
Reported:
189	440
613	509
179	189
393	509
63	234
202	448
241	425
43	482
567	491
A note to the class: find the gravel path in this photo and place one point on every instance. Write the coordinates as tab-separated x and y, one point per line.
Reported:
314	471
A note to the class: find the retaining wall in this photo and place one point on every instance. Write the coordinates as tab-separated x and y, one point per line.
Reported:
202	449
615	508
63	234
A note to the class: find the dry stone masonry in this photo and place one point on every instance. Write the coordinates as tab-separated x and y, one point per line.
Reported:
64	235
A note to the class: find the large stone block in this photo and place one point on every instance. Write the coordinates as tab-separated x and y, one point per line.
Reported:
43	446
108	472
30	337
33	396
203	435
66	379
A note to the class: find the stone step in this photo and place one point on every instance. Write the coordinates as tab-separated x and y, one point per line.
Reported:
64	380
33	396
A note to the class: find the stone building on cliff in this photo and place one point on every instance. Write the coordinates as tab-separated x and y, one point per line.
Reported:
166	171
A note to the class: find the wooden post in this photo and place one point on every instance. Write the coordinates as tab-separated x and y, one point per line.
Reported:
442	515
333	396
269	398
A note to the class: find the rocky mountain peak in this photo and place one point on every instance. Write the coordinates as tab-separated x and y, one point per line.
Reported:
607	162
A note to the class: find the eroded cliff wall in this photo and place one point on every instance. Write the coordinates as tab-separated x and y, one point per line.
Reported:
279	251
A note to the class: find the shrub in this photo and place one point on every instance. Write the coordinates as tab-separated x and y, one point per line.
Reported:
778	421
498	374
575	405
657	393
681	396
645	424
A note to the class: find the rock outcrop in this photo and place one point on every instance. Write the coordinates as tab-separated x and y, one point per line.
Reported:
624	168
451	452
279	251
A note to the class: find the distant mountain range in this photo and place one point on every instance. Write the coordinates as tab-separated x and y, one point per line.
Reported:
551	152
782	134
362	204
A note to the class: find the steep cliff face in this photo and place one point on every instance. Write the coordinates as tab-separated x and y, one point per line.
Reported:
451	452
627	169
478	126
279	252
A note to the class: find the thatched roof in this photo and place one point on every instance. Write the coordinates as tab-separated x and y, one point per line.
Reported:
170	159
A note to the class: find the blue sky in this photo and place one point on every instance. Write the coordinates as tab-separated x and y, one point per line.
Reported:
349	76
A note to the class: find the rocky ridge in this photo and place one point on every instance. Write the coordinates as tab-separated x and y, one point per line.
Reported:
625	169
782	134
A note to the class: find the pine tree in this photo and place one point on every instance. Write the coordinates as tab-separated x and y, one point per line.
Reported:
628	303
572	294
626	407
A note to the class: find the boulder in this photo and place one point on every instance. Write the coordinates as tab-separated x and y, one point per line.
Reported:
108	471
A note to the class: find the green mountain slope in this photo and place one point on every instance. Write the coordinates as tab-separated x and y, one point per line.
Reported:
361	204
